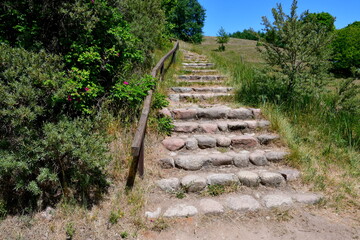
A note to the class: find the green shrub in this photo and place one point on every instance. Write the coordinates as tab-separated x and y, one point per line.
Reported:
159	101
165	125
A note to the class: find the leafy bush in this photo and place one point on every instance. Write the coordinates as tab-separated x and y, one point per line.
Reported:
249	34
222	38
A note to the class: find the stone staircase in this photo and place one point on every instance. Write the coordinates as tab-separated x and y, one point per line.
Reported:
219	158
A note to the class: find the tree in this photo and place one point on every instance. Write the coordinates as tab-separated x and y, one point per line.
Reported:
299	51
222	38
249	34
346	46
324	19
187	19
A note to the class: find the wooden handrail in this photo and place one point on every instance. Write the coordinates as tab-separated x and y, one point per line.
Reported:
137	147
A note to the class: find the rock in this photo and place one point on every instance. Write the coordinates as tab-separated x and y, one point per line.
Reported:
248	178
191	144
256	112
221	159
184	113
307	198
240	113
222	179
263	124
180	210
277	200
165	112
275	156
174	97
173	144
185	127
272	179
181	89
258	158
193	183
155	214
223	126
209	127
213	113
167	163
237	126
241	159
244	141
289	174
211	207
205	141
48	214
242	203
191	162
222	141
169	184
266	138
252	124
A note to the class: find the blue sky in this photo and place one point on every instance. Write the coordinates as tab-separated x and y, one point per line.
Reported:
236	15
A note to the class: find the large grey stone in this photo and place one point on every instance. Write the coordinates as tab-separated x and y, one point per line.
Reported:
307	198
169	184
240	159
174	97
244	141
211	207
256	112
248	178
173	144
277	200
272	179
263	124
180	210
154	214
185	127
213	113
266	138
242	203
222	179
193	183
252	124
167	163
218	159
240	113
184	113
165	112
208	127
205	141
181	89
223	126
275	156
258	158
223	141
191	144
240	125
289	174
191	162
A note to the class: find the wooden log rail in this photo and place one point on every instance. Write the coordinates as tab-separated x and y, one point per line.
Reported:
137	164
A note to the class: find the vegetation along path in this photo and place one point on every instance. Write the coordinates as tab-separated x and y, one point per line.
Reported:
220	158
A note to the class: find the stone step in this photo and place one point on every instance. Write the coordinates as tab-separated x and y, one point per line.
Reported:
247	141
201	77
202	72
214	89
225	126
216	112
253	178
197	96
239	202
198	160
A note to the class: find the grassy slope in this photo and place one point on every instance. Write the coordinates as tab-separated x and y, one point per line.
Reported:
327	165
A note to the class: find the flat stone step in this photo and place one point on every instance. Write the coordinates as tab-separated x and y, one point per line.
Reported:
202	77
203	72
241	203
246	141
216	112
252	178
225	126
197	96
202	89
196	161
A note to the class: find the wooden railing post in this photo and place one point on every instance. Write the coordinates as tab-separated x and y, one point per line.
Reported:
141	160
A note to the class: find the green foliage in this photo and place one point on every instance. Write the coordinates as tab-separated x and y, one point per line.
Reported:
165	125
124	235
70	230
346	47
222	38
299	52
159	101
216	189
115	216
187	20
249	34
324	20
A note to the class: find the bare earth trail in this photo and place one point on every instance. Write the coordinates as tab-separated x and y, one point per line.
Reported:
221	174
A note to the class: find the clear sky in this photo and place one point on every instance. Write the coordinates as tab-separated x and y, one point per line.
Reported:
235	15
